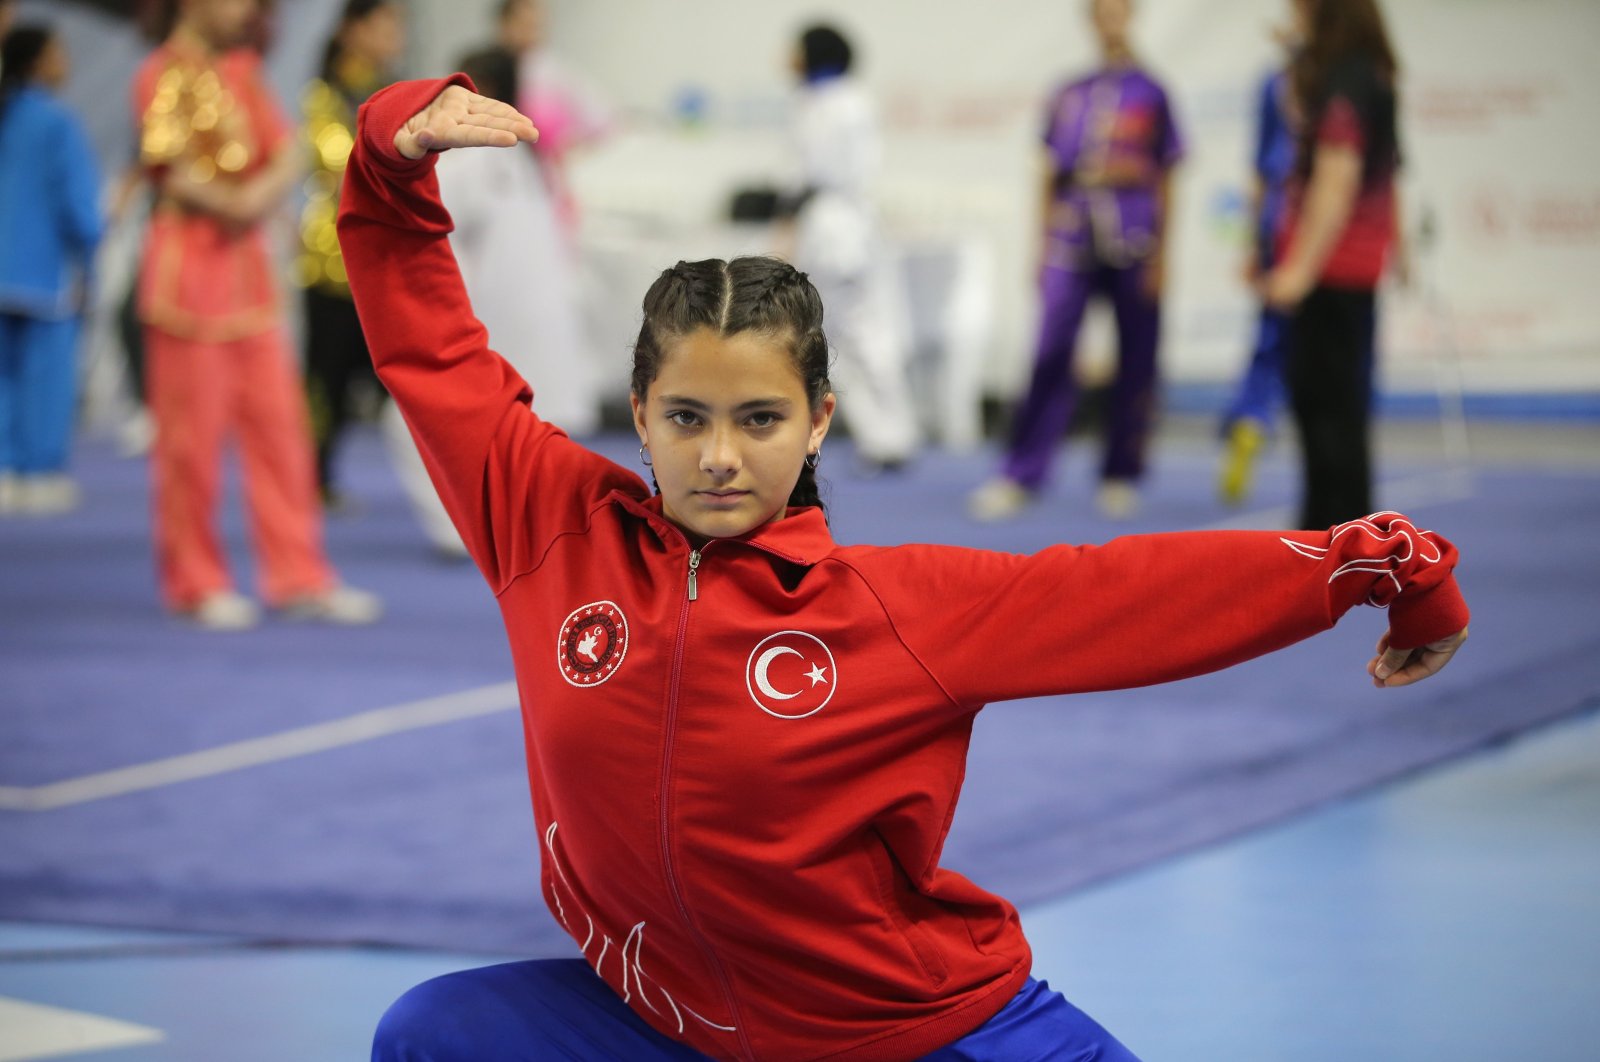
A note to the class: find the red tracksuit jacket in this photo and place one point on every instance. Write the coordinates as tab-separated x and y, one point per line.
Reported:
744	759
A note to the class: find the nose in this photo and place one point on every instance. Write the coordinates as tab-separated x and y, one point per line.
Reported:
720	456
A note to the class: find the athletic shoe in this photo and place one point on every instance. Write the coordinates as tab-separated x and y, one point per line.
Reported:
225	610
1245	440
344	605
999	499
1117	499
47	495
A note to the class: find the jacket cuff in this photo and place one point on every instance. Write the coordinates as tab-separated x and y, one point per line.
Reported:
1418	619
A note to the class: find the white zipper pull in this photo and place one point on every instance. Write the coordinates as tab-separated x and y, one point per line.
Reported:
694	581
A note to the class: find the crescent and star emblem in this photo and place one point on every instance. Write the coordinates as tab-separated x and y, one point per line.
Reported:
791	689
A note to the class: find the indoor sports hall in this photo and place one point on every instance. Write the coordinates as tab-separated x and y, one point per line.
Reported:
240	835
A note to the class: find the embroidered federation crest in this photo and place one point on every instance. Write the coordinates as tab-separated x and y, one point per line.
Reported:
593	641
791	674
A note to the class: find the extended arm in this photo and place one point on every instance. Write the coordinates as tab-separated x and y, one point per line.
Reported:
1154	608
509	480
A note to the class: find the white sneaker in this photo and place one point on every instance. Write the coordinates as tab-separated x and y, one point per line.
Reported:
225	610
48	495
998	499
137	434
343	605
1117	499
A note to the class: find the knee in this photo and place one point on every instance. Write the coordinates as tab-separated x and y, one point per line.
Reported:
425	1024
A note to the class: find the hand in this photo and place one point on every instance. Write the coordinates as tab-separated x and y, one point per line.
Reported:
1153	278
1285	286
1401	667
457	118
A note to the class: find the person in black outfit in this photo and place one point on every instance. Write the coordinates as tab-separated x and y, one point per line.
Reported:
1339	231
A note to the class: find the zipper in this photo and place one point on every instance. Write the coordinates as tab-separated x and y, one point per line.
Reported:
665	819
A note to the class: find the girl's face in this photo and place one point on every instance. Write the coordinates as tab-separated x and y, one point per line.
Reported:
728	427
1110	19
380	37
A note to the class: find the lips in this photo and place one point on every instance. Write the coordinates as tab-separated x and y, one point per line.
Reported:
722	497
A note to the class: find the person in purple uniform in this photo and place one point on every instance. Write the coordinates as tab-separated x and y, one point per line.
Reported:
1110	147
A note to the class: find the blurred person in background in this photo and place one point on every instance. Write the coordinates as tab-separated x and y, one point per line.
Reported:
838	240
50	223
1111	143
568	112
1250	418
221	158
1335	241
357	61
508	244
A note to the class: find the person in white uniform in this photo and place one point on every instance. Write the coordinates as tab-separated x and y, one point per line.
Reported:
838	242
508	243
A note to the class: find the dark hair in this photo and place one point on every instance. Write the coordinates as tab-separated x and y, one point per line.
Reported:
493	71
333	51
1337	30
767	296
20	53
503	11
823	51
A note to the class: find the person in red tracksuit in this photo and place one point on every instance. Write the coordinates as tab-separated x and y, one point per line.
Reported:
745	741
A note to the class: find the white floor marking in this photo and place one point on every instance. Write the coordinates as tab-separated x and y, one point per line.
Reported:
32	1031
286	745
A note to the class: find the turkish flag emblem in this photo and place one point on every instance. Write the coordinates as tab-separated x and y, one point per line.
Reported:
791	674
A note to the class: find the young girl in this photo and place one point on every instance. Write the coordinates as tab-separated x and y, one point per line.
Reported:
1339	232
366	43
49	226
745	741
1111	144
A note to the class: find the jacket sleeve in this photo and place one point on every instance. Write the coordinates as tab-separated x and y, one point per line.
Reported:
510	481
1154	608
78	180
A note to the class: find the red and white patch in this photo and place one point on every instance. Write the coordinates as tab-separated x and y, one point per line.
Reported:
593	641
791	675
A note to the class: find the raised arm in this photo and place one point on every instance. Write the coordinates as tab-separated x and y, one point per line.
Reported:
1154	608
510	481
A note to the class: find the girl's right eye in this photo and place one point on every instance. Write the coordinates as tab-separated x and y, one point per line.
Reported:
683	418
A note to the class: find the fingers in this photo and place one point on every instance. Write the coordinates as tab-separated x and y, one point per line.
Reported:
458	118
1393	668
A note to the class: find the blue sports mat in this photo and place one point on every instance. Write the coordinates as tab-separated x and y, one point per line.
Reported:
426	837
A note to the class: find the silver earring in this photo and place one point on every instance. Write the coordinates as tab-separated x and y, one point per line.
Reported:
813	458
644	456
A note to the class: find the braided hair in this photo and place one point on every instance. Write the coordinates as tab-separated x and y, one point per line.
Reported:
764	295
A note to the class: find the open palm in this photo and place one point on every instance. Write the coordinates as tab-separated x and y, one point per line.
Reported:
458	118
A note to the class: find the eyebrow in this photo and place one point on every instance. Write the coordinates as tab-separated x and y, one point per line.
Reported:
742	407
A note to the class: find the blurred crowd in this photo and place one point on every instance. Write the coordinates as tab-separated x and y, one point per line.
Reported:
204	320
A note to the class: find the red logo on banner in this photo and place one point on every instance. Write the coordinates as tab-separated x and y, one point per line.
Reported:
593	641
791	675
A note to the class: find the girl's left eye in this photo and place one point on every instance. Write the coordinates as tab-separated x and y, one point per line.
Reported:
763	420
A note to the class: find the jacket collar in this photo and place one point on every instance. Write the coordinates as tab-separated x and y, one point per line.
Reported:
801	537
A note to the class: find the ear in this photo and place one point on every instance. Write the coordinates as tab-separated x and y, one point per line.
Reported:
821	419
638	418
